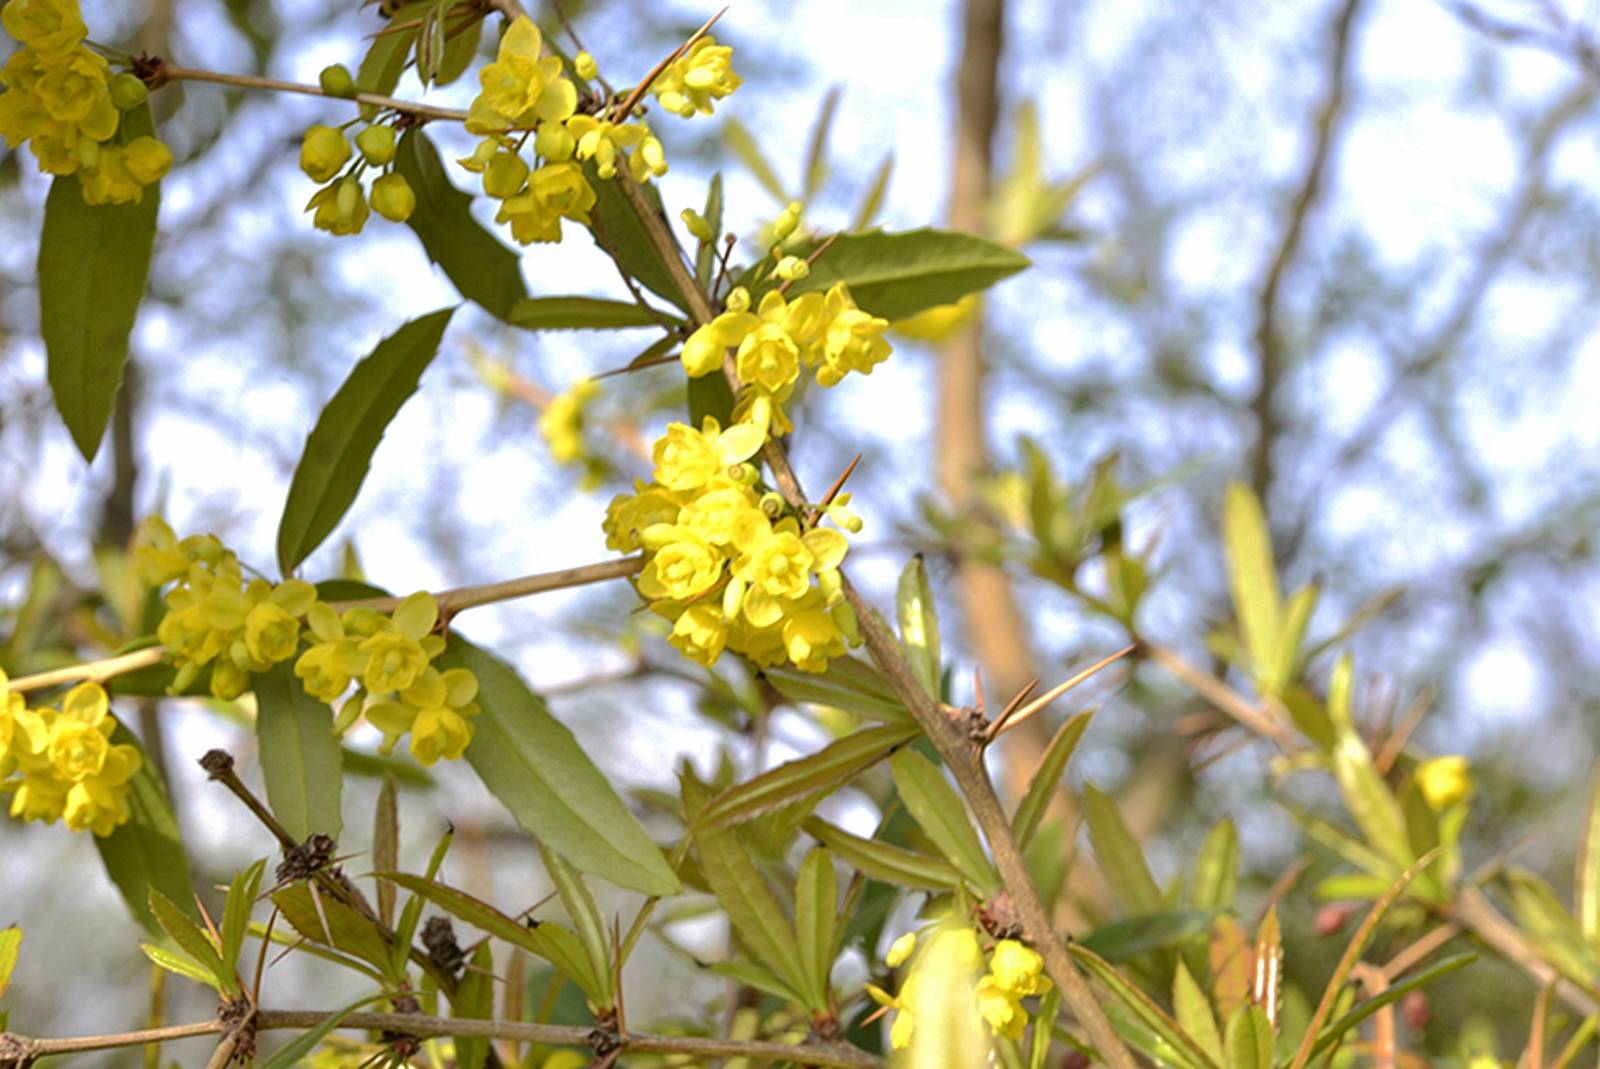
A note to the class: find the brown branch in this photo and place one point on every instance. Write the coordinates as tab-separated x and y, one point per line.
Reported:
170	72
1269	342
23	1050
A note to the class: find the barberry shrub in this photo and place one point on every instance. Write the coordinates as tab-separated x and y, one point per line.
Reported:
933	938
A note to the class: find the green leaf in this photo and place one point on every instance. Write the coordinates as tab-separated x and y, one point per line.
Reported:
1371	803
829	768
474	1000
752	910
178	963
1194	1012
555	944
459	50
386	846
1177	1046
578	313
10	950
1134	937
236	912
340	447
938	810
1250	1040
147	851
849	684
478	264
618	230
1216	868
294	1051
586	918
1042	787
1352	953
1121	859
1252	576
1286	653
385	60
93	264
919	625
868	211
752	975
710	395
193	941
885	862
816	168
899	275
743	144
1587	892
315	913
530	761
705	256
300	759
816	902
1333	1032
1547	923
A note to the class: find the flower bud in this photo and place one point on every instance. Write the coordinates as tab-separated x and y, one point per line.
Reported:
554	142
147	160
772	504
392	198
738	300
323	151
792	269
697	225
128	91
337	82
505	175
377	145
584	66
788	221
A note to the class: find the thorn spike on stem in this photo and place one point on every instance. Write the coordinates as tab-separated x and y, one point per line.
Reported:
833	491
977	690
1039	703
655	72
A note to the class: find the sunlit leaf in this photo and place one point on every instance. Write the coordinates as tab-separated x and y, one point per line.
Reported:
300	759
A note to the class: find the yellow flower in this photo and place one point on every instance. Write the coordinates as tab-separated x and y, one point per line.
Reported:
1018	969
940	322
1001	1010
602	141
628	514
721	514
505	174
700	633
392	198
328	666
74	85
703	351
147	160
554	190
340	207
100	804
398	653
810	638
44	25
780	565
691	82
686	458
323	151
443	701
521	87
561	423
769	358
900	950
853	340
1444	781
685	564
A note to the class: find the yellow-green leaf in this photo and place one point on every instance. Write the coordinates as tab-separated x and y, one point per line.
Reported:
1194	1013
1252	575
1042	787
885	862
1250	1040
10	950
816	903
938	810
300	759
899	275
1120	856
1587	891
194	942
919	625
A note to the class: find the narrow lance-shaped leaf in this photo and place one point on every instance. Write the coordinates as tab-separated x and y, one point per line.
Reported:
1120	856
744	146
1216	868
1371	803
1179	1048
919	624
191	940
1286	653
899	275
322	918
340	447
834	765
617	229
386	845
1252	574
236	912
300	759
1134	937
816	168
1250	1040
94	260
1047	777
868	210
530	761
294	1052
1194	1013
848	684
1587	891
478	264
752	910
1334	1031
816	900
147	851
586	918
706	252
936	807
884	861
10	951
580	313
474	1000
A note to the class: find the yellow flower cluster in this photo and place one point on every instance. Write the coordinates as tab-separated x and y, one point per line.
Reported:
341	205
1015	972
1444	781
821	331
724	562
524	91
61	99
60	763
561	422
216	618
692	81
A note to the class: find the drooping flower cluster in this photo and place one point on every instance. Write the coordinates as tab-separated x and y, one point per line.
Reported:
61	764
824	332
341	205
240	629
62	100
728	564
1015	972
692	81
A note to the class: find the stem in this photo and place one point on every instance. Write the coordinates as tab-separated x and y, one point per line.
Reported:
957	750
24	1050
172	72
1254	717
450	601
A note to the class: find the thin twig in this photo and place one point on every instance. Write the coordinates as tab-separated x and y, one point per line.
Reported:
1225	698
169	72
